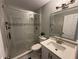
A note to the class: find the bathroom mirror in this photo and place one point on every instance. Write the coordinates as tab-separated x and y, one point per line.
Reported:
64	23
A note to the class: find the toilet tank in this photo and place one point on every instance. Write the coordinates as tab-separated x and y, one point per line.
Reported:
42	38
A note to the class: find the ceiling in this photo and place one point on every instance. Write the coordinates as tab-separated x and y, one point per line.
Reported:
27	4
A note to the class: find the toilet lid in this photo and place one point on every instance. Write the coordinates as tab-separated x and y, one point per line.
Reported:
36	47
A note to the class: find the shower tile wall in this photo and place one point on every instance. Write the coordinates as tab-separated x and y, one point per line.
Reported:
36	27
22	30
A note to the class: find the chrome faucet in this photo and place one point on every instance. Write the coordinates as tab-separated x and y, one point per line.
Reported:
59	40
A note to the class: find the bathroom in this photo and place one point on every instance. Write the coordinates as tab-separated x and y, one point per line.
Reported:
38	29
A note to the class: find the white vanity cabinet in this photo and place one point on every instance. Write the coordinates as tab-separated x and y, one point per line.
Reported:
53	56
53	50
46	54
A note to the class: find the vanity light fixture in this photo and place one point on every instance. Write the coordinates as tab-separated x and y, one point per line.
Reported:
65	5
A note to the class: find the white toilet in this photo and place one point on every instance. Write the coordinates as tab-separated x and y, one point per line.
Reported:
38	46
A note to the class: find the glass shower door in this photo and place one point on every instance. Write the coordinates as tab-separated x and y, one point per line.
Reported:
22	29
22	37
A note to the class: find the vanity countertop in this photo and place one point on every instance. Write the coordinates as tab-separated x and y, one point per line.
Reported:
65	50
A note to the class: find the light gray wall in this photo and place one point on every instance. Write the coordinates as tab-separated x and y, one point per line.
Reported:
47	10
2	41
38	11
2	51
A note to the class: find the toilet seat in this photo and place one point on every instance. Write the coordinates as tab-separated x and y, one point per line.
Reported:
36	47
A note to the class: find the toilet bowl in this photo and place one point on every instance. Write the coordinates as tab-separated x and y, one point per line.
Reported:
36	47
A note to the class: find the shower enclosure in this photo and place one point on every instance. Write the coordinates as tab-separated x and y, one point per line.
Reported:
23	28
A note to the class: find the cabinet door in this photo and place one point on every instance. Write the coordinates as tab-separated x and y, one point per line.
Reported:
55	56
44	53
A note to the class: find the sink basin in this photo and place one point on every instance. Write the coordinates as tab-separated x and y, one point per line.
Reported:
56	46
65	50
